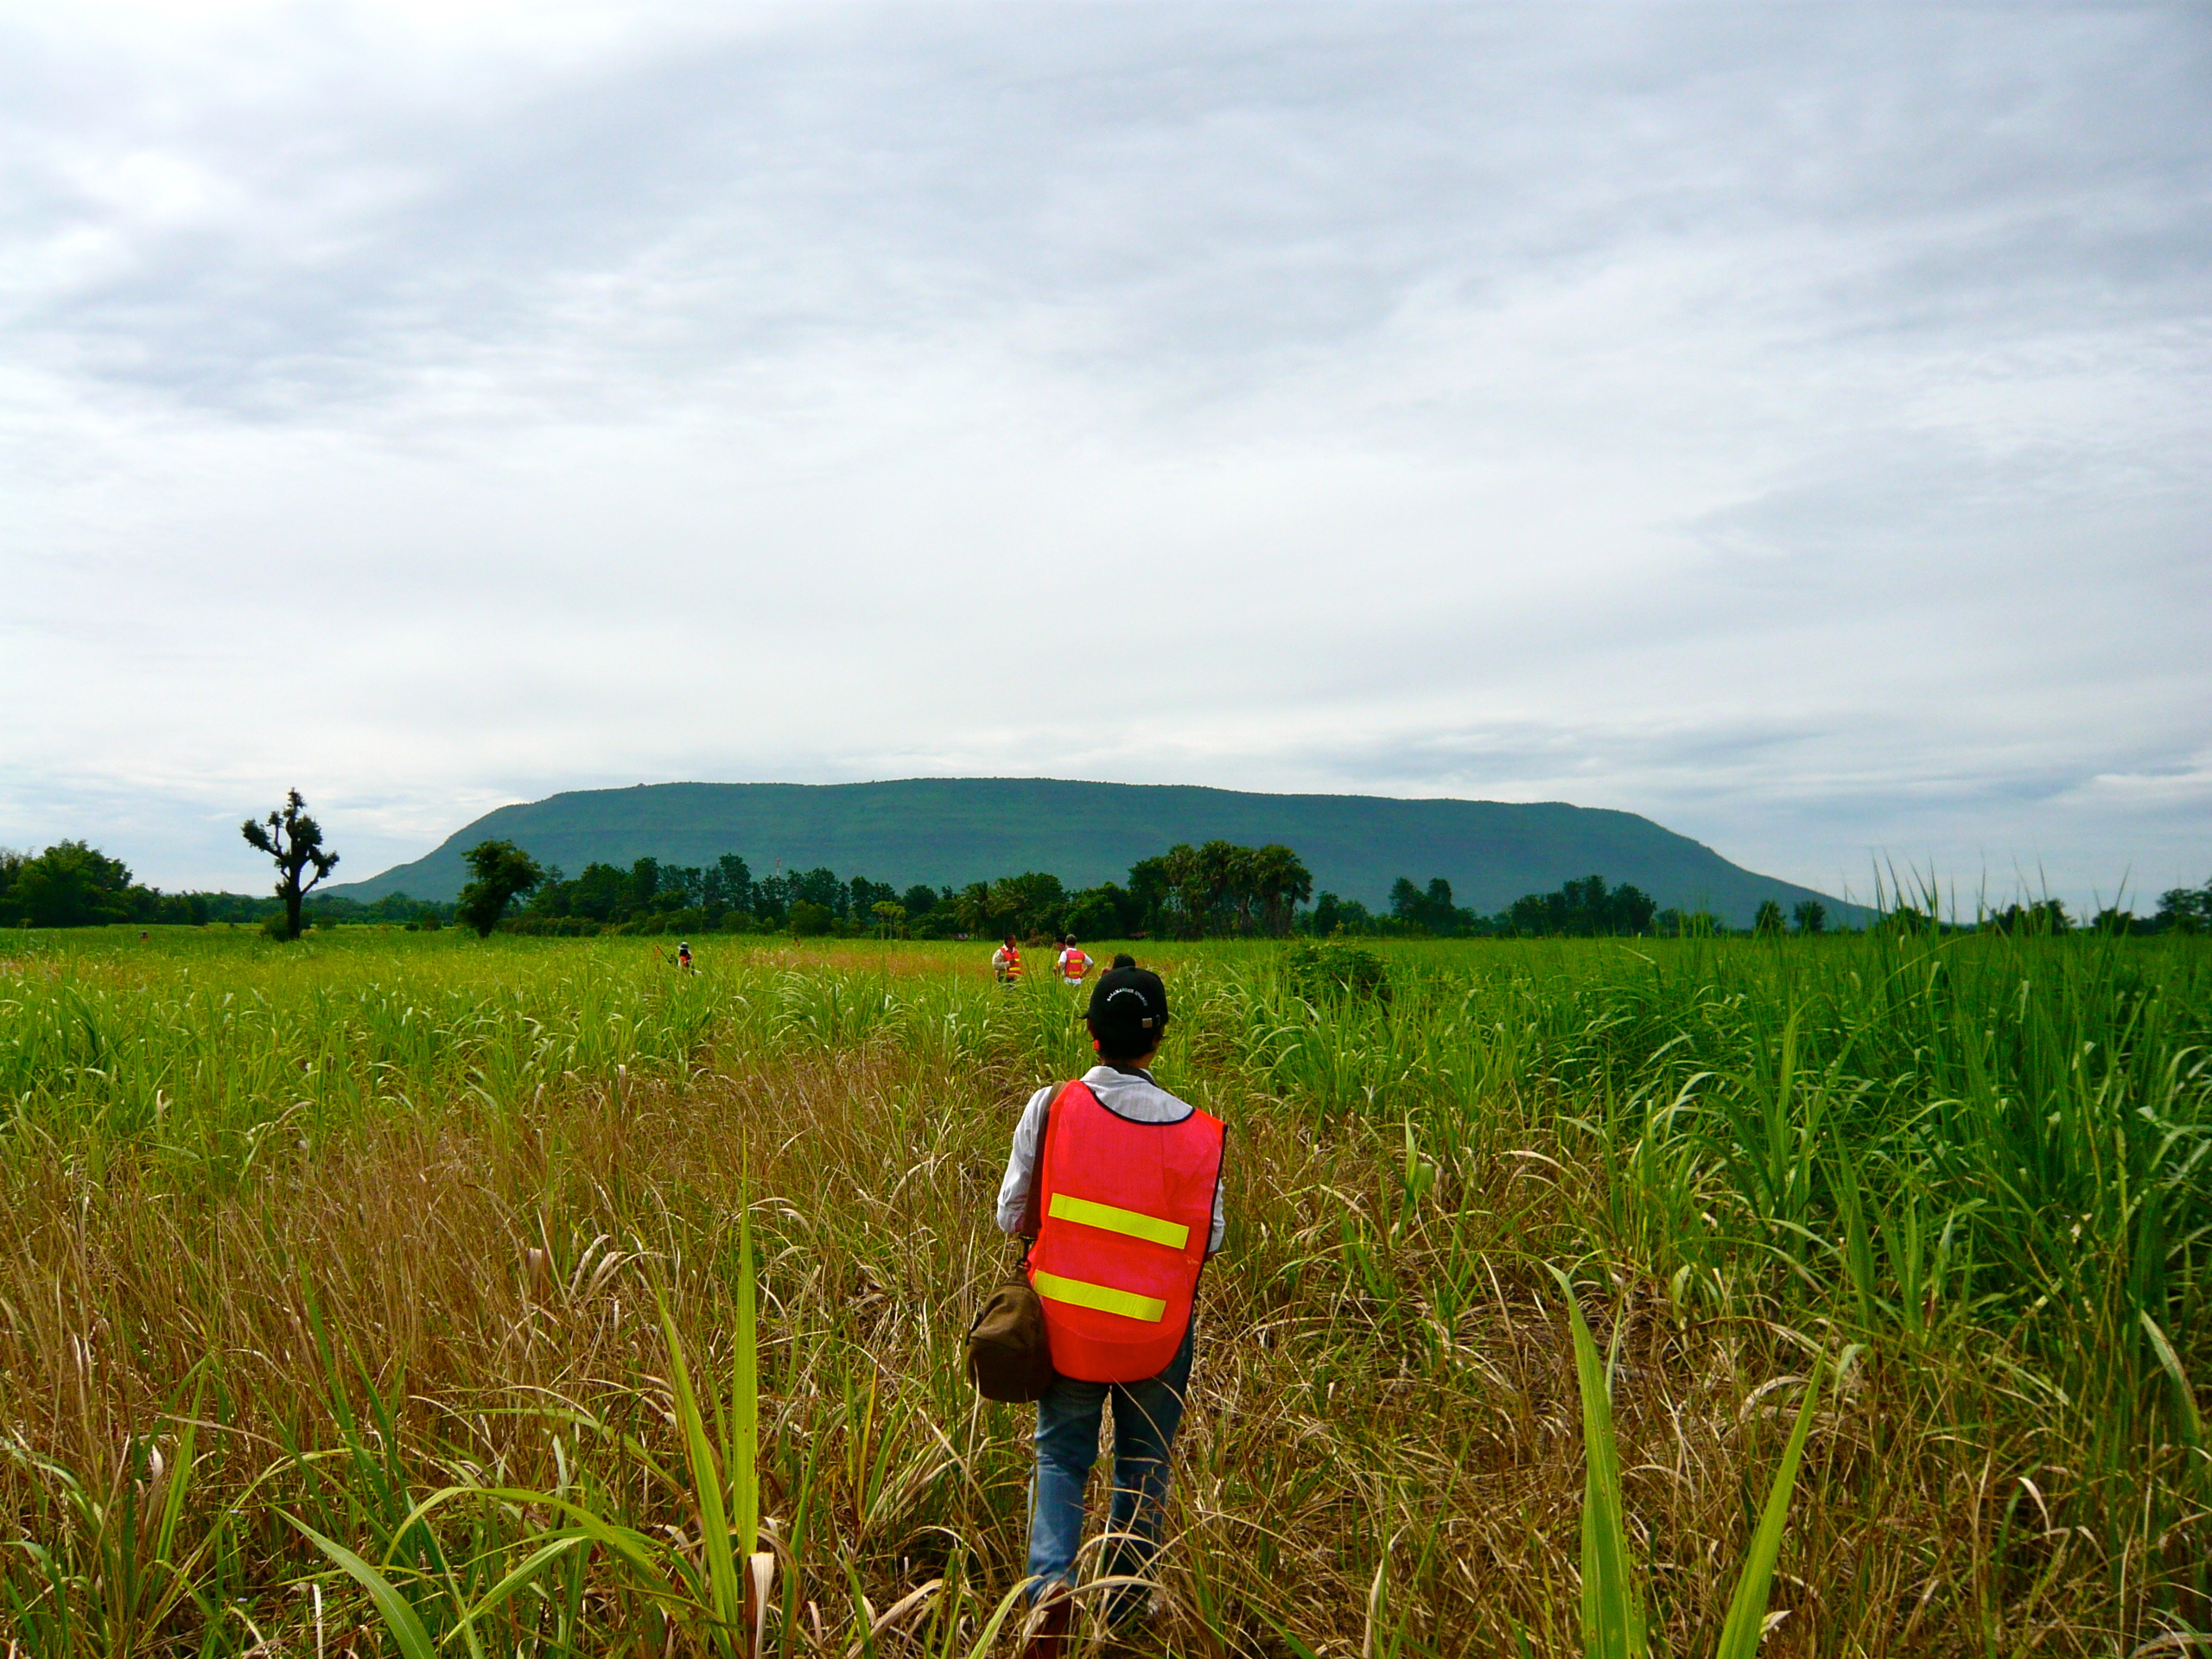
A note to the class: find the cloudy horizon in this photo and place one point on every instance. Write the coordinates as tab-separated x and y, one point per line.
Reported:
1789	423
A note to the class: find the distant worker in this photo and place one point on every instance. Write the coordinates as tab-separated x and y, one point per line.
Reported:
684	955
1128	1208
1073	963
1006	962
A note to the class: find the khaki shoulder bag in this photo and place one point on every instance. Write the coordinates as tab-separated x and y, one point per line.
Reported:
1007	1357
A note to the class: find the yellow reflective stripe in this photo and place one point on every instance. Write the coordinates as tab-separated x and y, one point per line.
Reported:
1104	1298
1136	1225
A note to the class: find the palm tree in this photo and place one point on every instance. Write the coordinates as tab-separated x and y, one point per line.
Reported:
1282	882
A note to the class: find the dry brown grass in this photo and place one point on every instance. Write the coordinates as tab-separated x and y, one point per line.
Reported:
1383	1455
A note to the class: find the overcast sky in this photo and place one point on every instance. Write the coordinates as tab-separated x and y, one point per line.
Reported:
1791	423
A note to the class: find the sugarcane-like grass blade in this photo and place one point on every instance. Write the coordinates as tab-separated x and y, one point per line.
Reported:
536	1562
707	1493
399	1617
1740	1637
745	1397
1612	1613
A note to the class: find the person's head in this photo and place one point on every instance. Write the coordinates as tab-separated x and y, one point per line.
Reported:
1009	942
1128	1012
1069	941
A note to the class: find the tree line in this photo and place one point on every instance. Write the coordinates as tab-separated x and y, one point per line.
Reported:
1218	889
2181	910
1585	908
74	884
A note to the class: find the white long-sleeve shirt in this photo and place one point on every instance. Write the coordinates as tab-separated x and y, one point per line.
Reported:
1131	1095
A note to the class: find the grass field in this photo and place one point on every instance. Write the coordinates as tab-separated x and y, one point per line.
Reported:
305	1237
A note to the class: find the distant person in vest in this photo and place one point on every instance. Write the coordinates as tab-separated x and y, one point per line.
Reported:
1006	961
1074	964
1130	1208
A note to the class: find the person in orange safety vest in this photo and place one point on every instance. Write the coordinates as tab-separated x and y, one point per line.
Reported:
1073	963
1006	962
1129	1181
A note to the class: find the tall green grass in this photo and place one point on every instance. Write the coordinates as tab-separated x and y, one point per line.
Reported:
338	1265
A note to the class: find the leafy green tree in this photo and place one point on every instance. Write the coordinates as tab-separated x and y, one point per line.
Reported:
730	887
2184	910
1152	886
1406	901
817	887
1810	915
69	885
1028	904
1193	892
890	917
1105	911
1430	911
682	887
863	896
294	841
971	907
1767	921
809	919
608	894
772	899
503	871
1587	908
1332	914
2046	916
1216	888
1280	882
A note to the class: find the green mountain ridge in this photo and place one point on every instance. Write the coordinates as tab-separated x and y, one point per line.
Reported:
955	830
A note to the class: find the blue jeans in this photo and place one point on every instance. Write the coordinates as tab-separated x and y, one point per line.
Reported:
1146	1417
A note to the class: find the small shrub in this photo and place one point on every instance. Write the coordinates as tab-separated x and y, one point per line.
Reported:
1331	970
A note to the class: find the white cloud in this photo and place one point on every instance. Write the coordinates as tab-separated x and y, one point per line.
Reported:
1788	424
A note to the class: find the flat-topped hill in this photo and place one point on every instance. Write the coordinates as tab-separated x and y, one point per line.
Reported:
955	830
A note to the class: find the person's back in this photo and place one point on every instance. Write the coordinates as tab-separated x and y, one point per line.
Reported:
1128	1207
1073	963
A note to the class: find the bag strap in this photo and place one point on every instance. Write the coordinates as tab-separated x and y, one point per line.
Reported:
1032	1217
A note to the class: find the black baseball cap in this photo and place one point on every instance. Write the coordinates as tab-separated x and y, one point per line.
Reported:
1128	1010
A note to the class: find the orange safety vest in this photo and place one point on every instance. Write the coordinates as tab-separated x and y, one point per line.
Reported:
1124	1218
1074	963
